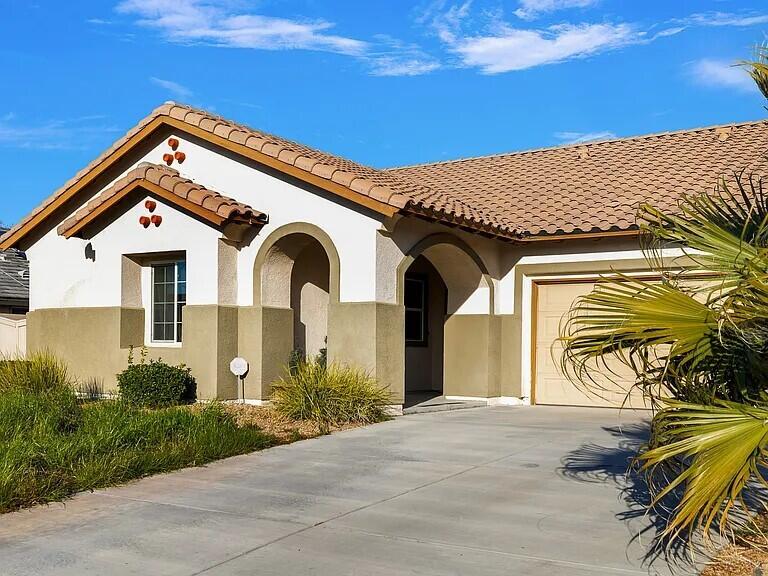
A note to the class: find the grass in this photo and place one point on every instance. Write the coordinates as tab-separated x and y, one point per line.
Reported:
330	396
53	445
56	440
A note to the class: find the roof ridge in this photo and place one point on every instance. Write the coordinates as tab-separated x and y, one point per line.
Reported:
246	127
580	144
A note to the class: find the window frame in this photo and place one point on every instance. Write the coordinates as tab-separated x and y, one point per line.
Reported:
422	279
177	310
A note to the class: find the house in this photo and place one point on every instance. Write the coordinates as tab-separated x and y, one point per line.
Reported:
204	240
14	281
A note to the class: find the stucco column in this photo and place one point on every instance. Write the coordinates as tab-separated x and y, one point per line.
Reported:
369	335
265	339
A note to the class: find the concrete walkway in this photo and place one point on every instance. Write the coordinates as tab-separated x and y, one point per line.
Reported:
487	491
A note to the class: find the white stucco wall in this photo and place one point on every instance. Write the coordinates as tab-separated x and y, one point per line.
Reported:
63	276
353	232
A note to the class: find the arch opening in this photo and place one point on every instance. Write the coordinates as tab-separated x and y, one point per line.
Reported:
296	276
440	279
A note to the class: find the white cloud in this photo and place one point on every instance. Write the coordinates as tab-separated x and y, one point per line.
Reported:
721	74
530	9
390	66
219	23
725	19
583	137
396	58
215	22
445	23
517	49
174	88
68	134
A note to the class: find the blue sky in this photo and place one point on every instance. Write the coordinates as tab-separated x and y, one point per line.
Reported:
383	83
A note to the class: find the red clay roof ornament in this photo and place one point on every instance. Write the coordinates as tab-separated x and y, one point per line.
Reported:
173	143
144	221
156	220
168	159
150	205
180	157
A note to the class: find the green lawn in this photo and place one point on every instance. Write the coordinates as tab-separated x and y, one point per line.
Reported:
52	445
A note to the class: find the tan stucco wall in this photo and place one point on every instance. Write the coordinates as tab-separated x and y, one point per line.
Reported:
94	342
472	346
369	335
265	339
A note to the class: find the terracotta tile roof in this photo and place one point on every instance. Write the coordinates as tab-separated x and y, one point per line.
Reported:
597	187
379	185
592	187
168	179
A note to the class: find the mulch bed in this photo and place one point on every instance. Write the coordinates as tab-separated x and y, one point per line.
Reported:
268	420
738	560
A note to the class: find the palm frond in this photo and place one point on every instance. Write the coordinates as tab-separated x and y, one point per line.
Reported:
724	233
644	325
723	449
758	68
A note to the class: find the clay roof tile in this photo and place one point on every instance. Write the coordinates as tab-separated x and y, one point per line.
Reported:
169	180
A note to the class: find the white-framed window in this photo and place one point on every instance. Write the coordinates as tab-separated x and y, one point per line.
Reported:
169	295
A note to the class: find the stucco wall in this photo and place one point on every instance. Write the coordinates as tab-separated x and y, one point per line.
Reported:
77	273
487	334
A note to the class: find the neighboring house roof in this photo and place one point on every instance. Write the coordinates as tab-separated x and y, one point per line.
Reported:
597	187
587	188
166	183
14	275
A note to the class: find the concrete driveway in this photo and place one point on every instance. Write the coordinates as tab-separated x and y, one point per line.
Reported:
493	491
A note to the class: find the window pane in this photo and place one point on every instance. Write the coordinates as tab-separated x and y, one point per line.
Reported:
168	297
413	326
414	293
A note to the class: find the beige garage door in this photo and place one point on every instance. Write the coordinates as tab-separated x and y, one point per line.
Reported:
550	386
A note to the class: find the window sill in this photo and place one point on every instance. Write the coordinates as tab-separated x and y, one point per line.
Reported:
164	345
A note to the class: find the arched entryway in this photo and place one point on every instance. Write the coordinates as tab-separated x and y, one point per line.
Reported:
295	283
426	307
296	275
443	286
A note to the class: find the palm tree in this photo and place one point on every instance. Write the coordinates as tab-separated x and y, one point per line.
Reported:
697	341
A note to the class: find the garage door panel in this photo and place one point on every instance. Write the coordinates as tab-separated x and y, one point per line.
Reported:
551	386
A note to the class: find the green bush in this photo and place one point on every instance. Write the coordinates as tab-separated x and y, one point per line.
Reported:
51	446
330	395
156	384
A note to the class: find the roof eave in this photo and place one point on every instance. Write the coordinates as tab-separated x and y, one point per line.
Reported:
160	118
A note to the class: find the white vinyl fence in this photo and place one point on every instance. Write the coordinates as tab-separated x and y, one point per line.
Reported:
13	336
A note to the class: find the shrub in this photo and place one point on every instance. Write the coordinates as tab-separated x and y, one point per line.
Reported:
156	384
38	372
330	396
